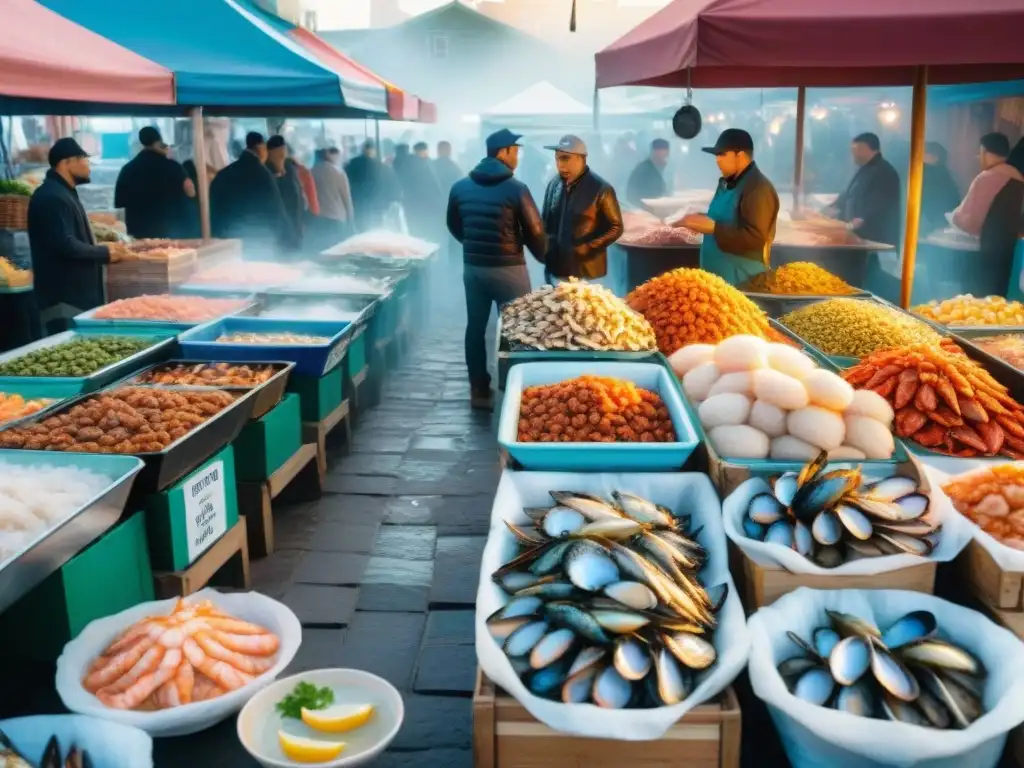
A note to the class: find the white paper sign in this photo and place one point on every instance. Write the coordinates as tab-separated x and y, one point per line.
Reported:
206	518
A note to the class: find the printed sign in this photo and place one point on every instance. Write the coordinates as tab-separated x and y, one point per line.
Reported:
206	518
335	356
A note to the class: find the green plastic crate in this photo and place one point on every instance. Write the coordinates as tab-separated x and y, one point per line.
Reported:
190	517
319	396
357	352
268	442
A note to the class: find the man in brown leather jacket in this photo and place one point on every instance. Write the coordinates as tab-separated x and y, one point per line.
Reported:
581	216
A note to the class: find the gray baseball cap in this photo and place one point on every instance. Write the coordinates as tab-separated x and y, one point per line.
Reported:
572	144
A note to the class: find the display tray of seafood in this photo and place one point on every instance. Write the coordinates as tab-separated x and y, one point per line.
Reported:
335	285
992	497
384	244
172	429
619	415
14	406
72	741
315	346
575	316
171	311
609	600
803	279
769	406
178	666
838	517
346	309
52	506
245	275
267	381
990	313
12	757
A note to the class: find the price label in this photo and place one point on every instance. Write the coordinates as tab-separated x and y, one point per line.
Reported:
335	356
206	518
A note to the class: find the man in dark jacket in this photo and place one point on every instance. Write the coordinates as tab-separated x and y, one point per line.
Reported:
581	216
245	202
421	193
284	171
446	169
493	215
371	192
67	262
871	203
154	191
647	181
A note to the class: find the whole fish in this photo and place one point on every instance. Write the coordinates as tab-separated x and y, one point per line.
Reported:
591	507
644	511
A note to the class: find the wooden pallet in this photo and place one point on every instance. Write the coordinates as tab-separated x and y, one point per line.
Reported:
226	563
316	432
999	590
255	500
506	735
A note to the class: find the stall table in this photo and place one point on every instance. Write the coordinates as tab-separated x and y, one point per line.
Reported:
848	262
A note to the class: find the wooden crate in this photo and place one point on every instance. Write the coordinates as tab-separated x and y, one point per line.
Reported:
316	432
255	500
226	563
505	735
1001	591
762	584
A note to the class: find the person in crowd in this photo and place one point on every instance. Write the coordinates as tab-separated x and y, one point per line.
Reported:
422	195
871	203
390	150
581	216
493	215
285	172
366	175
940	193
66	260
307	183
334	194
995	174
154	190
647	181
740	223
445	168
400	158
245	202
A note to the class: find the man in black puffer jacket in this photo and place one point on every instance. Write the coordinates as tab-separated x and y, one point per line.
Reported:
493	215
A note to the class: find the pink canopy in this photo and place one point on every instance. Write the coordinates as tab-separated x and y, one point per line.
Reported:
818	43
45	56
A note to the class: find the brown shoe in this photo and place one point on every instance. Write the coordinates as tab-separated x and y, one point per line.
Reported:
481	399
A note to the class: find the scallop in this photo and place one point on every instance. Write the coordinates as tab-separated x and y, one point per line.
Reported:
828	390
846	453
768	418
741	353
817	426
780	390
698	382
728	409
686	359
741	382
790	361
872	405
871	436
789	448
739	442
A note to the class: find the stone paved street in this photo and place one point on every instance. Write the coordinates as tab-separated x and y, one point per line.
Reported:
382	571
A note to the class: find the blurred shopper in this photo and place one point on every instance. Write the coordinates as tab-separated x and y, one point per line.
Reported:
374	187
154	190
995	174
334	195
66	260
307	183
581	216
493	215
422	195
400	158
939	194
446	169
871	203
647	181
245	202
740	223
286	174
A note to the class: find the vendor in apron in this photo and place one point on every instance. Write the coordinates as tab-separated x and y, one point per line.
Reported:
740	223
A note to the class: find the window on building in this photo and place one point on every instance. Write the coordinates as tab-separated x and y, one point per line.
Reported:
309	20
439	45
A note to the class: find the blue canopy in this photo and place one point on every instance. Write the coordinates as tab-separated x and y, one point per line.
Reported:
225	57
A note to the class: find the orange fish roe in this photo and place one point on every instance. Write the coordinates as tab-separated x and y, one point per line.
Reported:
593	409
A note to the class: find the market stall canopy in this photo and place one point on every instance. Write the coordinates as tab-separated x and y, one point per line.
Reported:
226	58
817	43
44	56
539	99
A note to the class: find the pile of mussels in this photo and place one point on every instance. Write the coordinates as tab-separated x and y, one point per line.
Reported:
906	673
833	517
606	603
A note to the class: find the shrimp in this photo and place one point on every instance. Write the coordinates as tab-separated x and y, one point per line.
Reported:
253	645
145	665
237	660
220	672
142	688
205	688
108	669
178	690
133	633
235	626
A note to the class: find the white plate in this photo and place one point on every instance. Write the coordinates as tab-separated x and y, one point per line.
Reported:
260	721
110	745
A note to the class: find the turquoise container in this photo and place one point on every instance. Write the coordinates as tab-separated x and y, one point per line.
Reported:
88	321
598	457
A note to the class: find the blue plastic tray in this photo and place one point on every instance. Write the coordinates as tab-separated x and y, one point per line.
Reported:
87	320
597	457
314	360
54	386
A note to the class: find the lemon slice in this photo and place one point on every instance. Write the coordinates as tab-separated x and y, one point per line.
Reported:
338	719
303	750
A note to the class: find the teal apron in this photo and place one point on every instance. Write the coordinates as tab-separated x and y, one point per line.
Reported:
733	269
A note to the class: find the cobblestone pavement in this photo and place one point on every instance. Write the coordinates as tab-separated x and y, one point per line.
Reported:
382	570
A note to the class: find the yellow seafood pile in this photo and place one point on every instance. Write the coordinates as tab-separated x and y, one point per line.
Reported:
800	278
691	306
968	310
854	328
